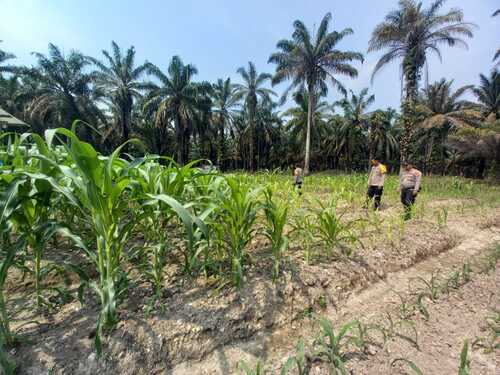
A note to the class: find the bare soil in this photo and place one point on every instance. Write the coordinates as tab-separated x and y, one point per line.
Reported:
207	330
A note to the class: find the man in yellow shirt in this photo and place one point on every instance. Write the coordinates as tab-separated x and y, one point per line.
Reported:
376	181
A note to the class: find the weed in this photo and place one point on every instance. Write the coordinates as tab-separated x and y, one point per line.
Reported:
412	365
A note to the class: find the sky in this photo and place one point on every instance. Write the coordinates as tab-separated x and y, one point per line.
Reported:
219	36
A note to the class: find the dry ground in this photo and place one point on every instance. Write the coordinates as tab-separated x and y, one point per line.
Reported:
207	331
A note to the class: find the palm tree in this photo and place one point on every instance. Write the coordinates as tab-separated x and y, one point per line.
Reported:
178	99
251	90
356	119
488	95
441	107
309	62
382	138
497	54
64	90
408	34
120	80
5	56
224	104
442	112
298	115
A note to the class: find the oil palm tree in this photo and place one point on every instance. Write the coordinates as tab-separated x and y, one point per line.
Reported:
298	115
250	91
5	56
64	91
409	33
224	105
441	111
488	96
177	99
356	118
309	62
382	138
120	79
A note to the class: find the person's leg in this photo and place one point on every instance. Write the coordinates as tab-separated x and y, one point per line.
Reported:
369	196
406	200
377	198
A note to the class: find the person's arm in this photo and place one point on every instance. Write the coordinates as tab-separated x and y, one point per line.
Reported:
418	179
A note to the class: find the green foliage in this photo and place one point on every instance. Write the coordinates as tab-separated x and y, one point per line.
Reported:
276	218
464	367
246	369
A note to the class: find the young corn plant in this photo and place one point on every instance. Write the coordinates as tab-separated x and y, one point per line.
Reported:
491	342
238	212
301	361
335	232
98	186
10	247
464	366
416	370
331	346
245	369
276	218
304	228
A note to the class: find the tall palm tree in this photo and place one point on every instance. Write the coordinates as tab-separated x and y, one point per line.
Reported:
177	99
382	138
120	79
250	91
5	56
409	33
440	112
309	61
298	116
488	96
224	105
442	108
64	90
356	119
497	54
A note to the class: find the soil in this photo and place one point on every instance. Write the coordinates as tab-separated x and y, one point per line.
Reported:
207	329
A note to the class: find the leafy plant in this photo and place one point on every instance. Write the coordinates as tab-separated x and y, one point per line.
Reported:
300	361
331	346
412	365
464	367
245	368
276	219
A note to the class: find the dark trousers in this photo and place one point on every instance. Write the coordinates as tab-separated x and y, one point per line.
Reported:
298	186
375	193
408	200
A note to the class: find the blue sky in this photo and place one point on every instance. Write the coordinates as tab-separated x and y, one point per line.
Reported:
219	36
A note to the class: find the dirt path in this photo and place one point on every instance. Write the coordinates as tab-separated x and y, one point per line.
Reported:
453	319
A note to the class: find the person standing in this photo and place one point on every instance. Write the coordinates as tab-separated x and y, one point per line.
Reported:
409	185
297	178
376	181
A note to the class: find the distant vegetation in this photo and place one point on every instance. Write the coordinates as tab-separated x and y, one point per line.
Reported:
242	125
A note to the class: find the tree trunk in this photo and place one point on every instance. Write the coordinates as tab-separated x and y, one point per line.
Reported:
179	132
412	74
310	120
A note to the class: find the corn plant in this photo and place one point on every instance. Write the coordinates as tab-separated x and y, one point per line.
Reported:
410	364
464	366
397	329
491	342
431	289
245	369
335	232
300	361
304	228
238	212
276	218
9	202
442	216
332	346
98	186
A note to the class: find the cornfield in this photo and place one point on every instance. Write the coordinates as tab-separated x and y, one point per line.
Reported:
127	218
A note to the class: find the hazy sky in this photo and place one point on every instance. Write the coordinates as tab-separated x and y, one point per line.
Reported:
219	36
